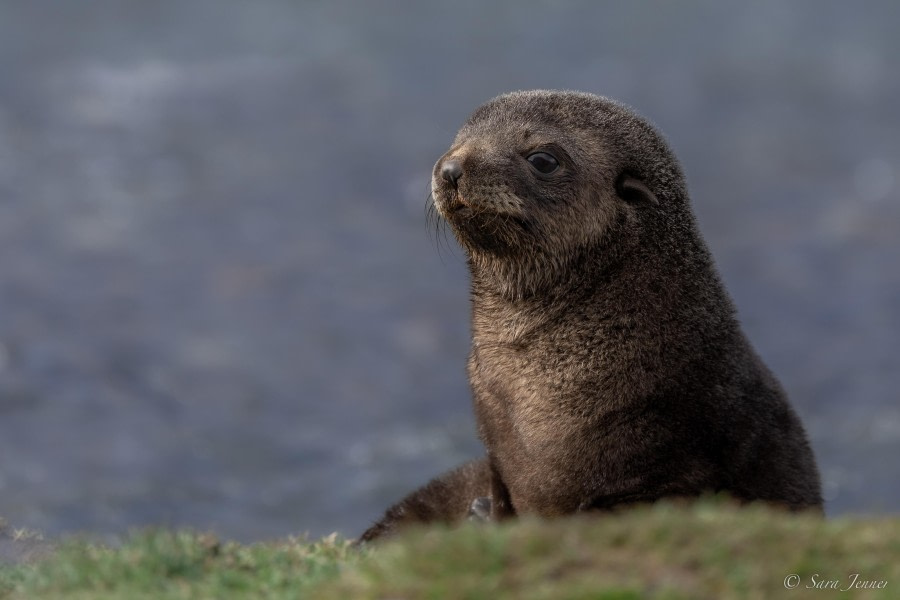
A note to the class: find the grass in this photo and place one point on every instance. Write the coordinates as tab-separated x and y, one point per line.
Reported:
708	550
177	564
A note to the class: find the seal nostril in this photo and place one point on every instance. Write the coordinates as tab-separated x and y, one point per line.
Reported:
451	171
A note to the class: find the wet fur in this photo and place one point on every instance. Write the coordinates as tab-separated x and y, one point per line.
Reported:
607	364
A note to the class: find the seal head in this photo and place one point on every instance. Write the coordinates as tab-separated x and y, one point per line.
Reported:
536	179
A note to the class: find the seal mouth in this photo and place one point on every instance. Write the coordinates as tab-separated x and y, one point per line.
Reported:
452	204
456	202
462	211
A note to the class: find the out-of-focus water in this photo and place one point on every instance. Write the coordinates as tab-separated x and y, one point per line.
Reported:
220	307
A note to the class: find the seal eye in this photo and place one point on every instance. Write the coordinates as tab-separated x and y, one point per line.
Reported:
543	162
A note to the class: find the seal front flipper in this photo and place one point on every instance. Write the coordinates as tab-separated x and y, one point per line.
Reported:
448	498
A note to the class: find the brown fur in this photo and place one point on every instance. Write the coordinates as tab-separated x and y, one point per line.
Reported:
607	365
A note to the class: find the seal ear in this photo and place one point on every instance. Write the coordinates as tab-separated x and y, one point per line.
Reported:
634	191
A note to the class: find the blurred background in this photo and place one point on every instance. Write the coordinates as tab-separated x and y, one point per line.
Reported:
219	303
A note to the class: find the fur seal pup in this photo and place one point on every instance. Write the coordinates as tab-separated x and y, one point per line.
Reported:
607	365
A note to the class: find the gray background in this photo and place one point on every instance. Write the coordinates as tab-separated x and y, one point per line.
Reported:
220	307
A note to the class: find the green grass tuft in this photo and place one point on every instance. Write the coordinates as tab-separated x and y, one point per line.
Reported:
667	551
711	549
167	564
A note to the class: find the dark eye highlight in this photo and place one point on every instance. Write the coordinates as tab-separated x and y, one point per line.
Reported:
543	162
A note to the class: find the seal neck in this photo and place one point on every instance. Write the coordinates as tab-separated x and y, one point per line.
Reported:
670	282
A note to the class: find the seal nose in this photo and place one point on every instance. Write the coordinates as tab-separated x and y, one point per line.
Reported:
451	171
